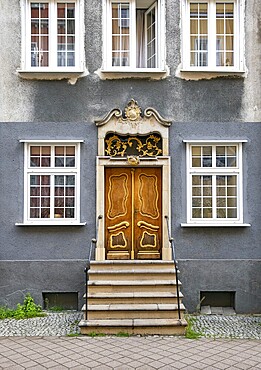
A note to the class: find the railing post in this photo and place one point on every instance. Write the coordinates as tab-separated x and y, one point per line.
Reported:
88	265
171	240
86	270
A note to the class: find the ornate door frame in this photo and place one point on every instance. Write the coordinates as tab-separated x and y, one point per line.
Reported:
132	122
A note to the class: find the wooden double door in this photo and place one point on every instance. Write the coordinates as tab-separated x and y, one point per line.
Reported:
133	212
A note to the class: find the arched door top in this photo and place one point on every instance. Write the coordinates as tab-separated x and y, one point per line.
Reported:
133	121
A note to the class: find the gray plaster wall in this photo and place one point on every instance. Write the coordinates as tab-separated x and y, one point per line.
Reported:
50	258
217	100
19	277
211	257
222	275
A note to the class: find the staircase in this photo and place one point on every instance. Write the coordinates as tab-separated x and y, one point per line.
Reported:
133	297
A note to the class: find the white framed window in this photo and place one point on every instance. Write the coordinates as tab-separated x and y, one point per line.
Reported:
51	182
52	35
214	183
134	35
212	34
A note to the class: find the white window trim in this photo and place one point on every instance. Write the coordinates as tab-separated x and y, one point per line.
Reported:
46	170
26	42
107	46
239	50
237	170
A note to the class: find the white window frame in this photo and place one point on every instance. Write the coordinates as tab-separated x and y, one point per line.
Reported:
107	39
213	171
26	37
29	170
239	10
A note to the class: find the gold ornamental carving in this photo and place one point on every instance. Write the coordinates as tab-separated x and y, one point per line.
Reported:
121	225
118	240
132	111
149	146
148	240
148	226
134	160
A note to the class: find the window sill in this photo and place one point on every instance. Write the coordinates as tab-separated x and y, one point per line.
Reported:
70	75
207	74
212	70
51	223
216	224
143	73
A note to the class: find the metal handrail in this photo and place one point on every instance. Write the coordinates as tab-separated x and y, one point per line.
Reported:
88	265
171	240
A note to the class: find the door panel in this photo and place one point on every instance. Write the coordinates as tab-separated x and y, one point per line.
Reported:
118	213
147	225
133	213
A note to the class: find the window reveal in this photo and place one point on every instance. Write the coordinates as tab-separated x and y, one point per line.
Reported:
133	34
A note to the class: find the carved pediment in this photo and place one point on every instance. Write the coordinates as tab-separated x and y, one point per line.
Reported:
133	131
133	114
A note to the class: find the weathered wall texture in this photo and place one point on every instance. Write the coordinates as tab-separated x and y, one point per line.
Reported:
222	108
219	100
251	107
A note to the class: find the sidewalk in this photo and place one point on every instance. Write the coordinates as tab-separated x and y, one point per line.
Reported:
143	353
53	342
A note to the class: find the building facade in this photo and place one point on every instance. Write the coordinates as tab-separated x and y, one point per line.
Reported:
89	87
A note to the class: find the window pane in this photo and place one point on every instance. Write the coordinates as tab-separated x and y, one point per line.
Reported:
225	34
202	156
232	213
40	156
198	34
226	196
61	10
226	156
196	202
207	213
196	213
65	34
151	38
39	27
120	34
39	196
64	156
201	196
64	201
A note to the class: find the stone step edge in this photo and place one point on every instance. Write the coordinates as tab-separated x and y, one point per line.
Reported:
132	262
133	282
133	295
133	271
133	323
135	307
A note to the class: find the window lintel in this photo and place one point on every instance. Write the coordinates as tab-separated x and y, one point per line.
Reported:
214	141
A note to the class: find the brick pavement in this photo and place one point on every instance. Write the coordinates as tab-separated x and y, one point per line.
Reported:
119	353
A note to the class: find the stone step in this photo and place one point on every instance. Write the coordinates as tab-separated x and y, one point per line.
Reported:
136	297
131	265
134	311
134	326
133	297
132	274
118	286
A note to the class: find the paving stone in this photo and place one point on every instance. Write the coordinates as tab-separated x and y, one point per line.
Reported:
205	310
